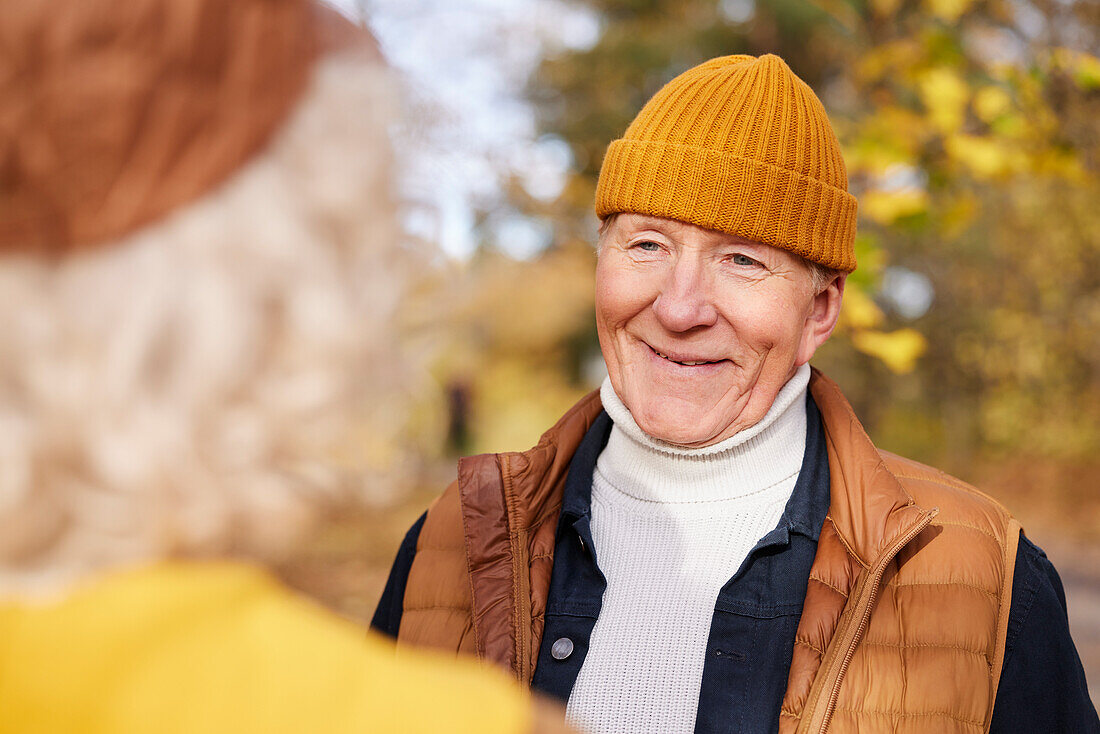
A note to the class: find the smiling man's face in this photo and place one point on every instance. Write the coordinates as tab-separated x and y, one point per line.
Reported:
700	329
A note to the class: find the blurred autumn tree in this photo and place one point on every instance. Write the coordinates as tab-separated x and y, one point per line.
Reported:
972	136
972	133
510	361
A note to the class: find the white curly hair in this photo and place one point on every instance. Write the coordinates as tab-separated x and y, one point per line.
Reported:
207	383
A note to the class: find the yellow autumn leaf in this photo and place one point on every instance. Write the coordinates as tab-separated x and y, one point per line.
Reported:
1010	125
985	157
886	207
898	350
859	311
1084	67
1061	163
991	102
874	154
945	96
1087	73
949	10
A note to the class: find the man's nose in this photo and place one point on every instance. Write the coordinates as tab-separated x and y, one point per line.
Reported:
685	301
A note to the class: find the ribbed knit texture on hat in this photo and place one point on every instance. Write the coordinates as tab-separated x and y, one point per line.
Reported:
738	144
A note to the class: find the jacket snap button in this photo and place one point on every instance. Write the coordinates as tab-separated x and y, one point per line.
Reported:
562	648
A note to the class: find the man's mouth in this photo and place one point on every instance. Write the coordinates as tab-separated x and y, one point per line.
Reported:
677	359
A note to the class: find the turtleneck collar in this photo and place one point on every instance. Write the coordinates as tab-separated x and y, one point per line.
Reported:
749	462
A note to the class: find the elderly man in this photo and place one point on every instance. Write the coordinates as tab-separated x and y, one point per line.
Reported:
712	543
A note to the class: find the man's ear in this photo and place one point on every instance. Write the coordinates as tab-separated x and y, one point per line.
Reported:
821	319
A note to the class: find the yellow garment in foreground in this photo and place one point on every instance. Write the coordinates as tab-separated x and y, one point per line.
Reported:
221	647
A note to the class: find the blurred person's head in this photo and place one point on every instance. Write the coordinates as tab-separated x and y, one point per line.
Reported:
199	262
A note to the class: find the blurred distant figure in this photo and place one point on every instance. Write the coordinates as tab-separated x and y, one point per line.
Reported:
199	269
458	416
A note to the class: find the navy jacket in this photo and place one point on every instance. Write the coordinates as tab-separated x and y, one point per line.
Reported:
1042	687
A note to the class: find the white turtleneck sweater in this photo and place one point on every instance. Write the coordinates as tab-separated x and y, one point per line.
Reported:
670	527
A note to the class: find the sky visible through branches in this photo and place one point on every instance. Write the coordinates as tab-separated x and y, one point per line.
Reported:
468	127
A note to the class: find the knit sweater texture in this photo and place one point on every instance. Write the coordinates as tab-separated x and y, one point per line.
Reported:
670	527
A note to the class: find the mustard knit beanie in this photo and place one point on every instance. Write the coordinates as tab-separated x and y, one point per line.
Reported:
738	144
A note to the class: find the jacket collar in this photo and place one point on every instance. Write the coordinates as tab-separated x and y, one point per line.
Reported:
868	507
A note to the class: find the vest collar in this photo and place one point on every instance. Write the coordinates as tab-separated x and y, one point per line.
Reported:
868	507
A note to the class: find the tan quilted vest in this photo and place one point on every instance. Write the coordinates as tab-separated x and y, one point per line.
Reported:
906	609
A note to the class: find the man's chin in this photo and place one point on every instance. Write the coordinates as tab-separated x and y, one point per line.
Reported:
686	431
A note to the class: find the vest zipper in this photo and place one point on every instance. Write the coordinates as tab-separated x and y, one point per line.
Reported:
521	586
876	578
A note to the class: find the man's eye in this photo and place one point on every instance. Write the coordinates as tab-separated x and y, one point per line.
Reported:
648	246
740	259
